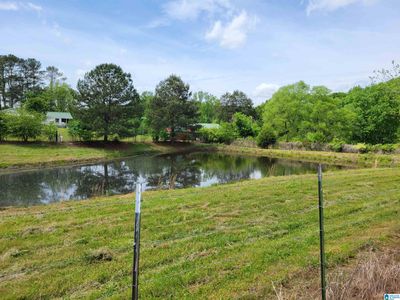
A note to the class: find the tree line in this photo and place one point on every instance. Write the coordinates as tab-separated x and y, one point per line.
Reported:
106	105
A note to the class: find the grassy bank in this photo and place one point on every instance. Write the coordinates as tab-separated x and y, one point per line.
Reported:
25	155
351	159
222	242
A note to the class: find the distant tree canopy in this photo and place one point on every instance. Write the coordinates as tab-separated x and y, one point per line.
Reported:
171	107
60	97
107	101
209	107
298	112
17	77
232	103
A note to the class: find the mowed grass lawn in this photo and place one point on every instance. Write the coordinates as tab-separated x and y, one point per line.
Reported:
222	242
36	154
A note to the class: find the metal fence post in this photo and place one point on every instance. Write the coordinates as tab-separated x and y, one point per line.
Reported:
136	244
321	233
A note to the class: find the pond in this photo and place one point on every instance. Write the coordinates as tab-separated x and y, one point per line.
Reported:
42	186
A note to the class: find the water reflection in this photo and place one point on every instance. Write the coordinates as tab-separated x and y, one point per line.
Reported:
118	177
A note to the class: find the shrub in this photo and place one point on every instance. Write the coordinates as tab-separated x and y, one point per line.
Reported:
225	134
388	148
78	131
25	125
362	148
315	137
266	137
244	125
50	131
337	145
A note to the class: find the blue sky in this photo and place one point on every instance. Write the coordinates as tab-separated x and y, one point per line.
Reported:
214	45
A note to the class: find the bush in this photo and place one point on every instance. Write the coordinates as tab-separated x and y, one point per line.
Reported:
362	148
315	137
78	131
225	134
50	131
244	125
266	137
25	125
337	145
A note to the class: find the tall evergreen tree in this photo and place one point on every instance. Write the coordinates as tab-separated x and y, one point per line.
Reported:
107	101
171	106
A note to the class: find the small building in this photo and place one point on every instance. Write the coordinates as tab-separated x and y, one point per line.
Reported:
61	119
208	125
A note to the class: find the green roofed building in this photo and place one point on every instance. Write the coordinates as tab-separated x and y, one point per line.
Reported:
61	119
208	125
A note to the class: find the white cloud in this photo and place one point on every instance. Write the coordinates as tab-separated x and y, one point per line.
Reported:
34	7
8	6
331	5
265	91
234	33
191	9
20	5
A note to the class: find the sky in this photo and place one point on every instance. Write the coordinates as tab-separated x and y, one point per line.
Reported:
216	46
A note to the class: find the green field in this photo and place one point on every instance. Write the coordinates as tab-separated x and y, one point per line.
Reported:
222	242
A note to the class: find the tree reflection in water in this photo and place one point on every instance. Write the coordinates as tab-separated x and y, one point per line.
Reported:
120	176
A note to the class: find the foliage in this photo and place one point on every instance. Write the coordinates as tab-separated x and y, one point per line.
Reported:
50	131
266	137
226	134
208	106
232	103
4	125
17	77
299	112
245	125
38	102
171	107
377	110
25	125
107	101
79	131
362	147
337	145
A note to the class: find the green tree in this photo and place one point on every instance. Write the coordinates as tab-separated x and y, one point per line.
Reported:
107	101
209	107
233	103
54	76
25	125
171	107
245	125
284	111
299	112
266	137
377	109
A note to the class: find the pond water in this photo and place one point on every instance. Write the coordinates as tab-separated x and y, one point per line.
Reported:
44	186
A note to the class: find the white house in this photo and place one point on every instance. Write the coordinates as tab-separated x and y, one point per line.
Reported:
61	119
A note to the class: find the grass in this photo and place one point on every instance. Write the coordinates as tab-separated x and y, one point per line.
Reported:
351	159
222	242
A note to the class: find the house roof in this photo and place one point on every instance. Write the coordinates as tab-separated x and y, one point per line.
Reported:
209	125
58	115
